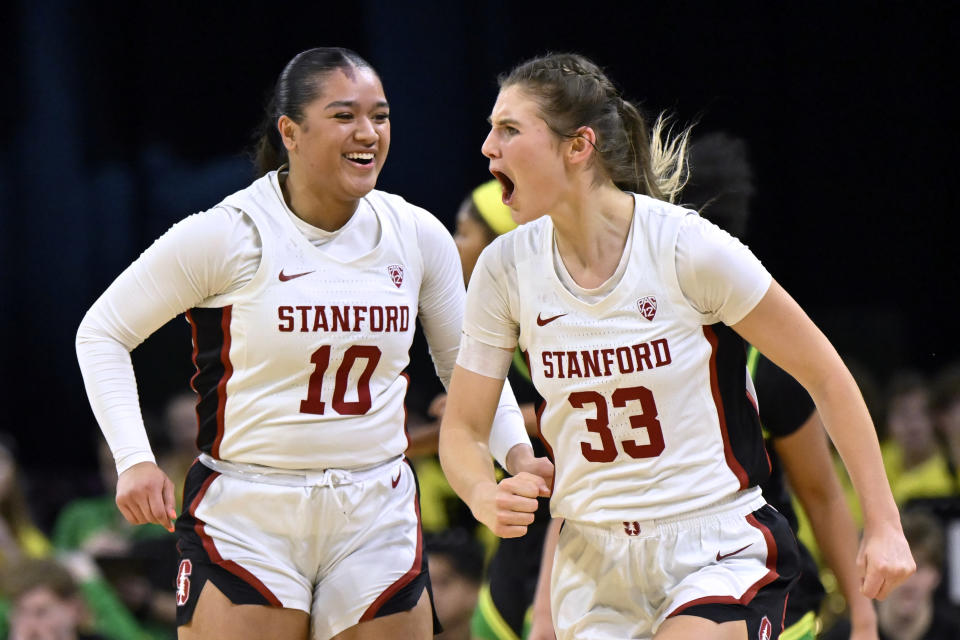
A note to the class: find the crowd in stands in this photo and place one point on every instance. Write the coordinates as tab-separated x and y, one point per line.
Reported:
99	577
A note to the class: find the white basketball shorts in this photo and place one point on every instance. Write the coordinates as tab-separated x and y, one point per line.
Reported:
733	561
343	546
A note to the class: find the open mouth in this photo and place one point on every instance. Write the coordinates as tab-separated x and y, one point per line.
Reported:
362	159
506	185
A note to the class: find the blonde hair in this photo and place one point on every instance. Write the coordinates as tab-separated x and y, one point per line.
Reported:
573	92
669	158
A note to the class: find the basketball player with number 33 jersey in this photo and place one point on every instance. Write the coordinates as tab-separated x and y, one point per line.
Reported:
630	311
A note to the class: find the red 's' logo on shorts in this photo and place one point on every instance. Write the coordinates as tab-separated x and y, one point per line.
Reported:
183	582
632	528
396	274
766	629
648	307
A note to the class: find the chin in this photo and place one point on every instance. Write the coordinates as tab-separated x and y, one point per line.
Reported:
359	189
523	217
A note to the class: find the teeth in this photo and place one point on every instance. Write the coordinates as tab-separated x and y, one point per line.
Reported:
360	156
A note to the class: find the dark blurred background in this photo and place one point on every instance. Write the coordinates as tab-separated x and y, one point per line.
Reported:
120	119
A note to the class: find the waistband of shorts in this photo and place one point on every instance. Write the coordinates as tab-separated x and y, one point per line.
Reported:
298	477
738	505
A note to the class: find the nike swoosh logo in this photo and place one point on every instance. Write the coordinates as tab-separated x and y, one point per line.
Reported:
732	553
396	480
542	322
284	277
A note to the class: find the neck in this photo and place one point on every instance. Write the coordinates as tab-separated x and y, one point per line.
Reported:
592	226
314	206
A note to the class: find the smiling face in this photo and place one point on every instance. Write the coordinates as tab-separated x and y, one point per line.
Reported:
525	155
341	144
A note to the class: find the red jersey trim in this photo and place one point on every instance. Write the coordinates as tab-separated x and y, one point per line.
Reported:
222	385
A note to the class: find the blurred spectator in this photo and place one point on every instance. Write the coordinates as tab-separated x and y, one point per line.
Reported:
19	536
45	602
915	463
945	407
456	571
910	612
139	562
94	524
720	184
21	541
179	437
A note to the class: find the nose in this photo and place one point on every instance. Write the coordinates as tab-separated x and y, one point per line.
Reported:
488	148
365	131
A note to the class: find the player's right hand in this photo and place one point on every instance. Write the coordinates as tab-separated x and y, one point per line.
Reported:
145	494
507	508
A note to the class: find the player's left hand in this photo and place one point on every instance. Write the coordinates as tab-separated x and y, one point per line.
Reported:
884	560
521	458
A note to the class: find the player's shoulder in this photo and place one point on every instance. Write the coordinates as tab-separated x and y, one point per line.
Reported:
654	209
527	238
411	221
523	243
396	206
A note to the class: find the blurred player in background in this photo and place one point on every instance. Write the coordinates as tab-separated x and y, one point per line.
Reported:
508	591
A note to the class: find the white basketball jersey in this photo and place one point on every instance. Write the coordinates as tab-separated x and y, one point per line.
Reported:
301	368
646	409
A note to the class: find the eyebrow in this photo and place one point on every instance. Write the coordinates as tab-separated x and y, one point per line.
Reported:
502	121
350	104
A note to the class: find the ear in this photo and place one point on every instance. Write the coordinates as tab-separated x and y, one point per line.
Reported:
288	132
582	145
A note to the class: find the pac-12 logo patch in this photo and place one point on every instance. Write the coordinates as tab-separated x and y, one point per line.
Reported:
648	307
183	582
766	629
396	274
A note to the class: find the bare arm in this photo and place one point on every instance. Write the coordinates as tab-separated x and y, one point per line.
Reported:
508	508
808	464
780	329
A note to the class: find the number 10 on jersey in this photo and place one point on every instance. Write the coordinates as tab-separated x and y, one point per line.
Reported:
321	361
